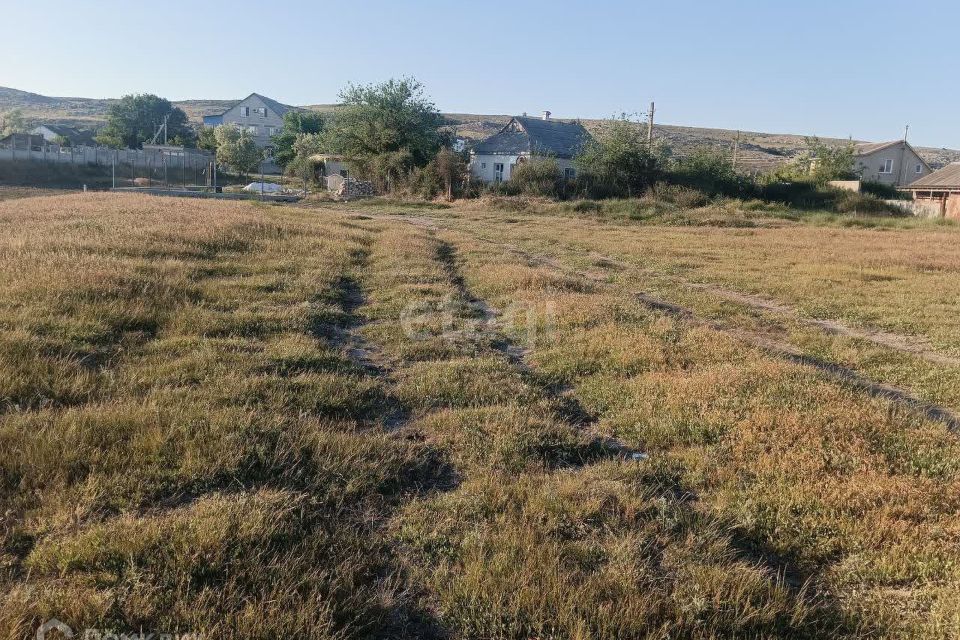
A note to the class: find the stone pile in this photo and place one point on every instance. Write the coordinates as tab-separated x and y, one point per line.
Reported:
352	188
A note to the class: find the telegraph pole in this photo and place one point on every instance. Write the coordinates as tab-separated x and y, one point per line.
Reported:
650	123
736	150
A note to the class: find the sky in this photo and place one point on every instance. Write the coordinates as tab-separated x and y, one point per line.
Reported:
835	68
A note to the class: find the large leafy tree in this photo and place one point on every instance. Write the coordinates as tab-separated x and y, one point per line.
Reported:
13	122
134	119
296	123
384	130
619	161
237	149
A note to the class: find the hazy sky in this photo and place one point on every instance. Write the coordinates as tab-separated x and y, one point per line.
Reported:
831	68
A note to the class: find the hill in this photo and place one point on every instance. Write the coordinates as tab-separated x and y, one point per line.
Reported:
758	151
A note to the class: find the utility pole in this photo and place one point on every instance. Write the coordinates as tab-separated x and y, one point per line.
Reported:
650	123
736	150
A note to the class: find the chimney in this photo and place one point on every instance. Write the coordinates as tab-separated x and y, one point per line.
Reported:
546	115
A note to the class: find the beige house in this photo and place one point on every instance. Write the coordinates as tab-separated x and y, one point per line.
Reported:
892	163
938	194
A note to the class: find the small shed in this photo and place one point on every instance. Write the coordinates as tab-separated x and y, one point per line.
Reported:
938	194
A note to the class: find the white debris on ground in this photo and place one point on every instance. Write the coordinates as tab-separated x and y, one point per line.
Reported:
263	187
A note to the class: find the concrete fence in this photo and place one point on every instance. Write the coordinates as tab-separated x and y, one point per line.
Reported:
105	157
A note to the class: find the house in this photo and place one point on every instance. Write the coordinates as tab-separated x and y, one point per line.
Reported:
892	163
494	159
938	194
262	117
54	133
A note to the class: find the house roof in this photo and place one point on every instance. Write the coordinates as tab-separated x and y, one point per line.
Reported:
866	148
75	136
277	107
946	178
537	137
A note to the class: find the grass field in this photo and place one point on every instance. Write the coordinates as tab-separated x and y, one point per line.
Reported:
390	420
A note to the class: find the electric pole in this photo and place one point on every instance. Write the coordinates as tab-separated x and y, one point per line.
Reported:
650	123
736	150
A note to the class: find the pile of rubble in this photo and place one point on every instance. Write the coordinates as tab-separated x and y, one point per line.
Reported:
351	188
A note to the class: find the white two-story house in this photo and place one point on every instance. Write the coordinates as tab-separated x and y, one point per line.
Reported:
259	115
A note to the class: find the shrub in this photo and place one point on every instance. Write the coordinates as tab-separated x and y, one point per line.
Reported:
685	197
538	177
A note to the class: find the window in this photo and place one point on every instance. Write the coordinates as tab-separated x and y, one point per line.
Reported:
252	129
483	165
498	172
261	111
244	112
271	131
569	173
887	166
919	169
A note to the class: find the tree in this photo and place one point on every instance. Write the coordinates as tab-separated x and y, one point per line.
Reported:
303	166
385	130
135	119
13	122
452	168
820	163
619	161
207	139
237	149
295	124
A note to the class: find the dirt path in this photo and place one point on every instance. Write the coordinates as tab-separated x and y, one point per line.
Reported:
773	347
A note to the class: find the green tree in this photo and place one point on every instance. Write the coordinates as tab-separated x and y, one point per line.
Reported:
830	162
619	161
134	119
207	139
237	149
295	124
385	130
13	122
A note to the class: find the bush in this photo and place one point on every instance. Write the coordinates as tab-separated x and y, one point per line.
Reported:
685	197
710	172
539	177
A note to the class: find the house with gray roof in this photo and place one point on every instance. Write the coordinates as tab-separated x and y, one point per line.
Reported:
54	133
259	115
893	163
938	194
523	138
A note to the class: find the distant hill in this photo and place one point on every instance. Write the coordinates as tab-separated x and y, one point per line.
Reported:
758	151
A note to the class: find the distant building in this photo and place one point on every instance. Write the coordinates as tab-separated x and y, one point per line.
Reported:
53	133
939	192
892	163
523	138
262	117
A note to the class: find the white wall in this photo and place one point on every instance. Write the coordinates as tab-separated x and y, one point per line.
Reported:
273	119
905	163
485	173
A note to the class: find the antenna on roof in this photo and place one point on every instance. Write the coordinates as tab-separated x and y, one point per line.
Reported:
905	132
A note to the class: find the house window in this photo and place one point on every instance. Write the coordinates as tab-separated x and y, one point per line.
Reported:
252	129
261	111
244	112
498	172
569	173
919	169
483	165
887	166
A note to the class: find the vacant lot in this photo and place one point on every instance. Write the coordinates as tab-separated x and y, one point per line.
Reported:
384	421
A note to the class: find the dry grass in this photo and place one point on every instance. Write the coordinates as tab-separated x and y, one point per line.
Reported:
223	418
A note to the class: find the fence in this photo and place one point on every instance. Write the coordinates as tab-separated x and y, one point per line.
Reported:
151	166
